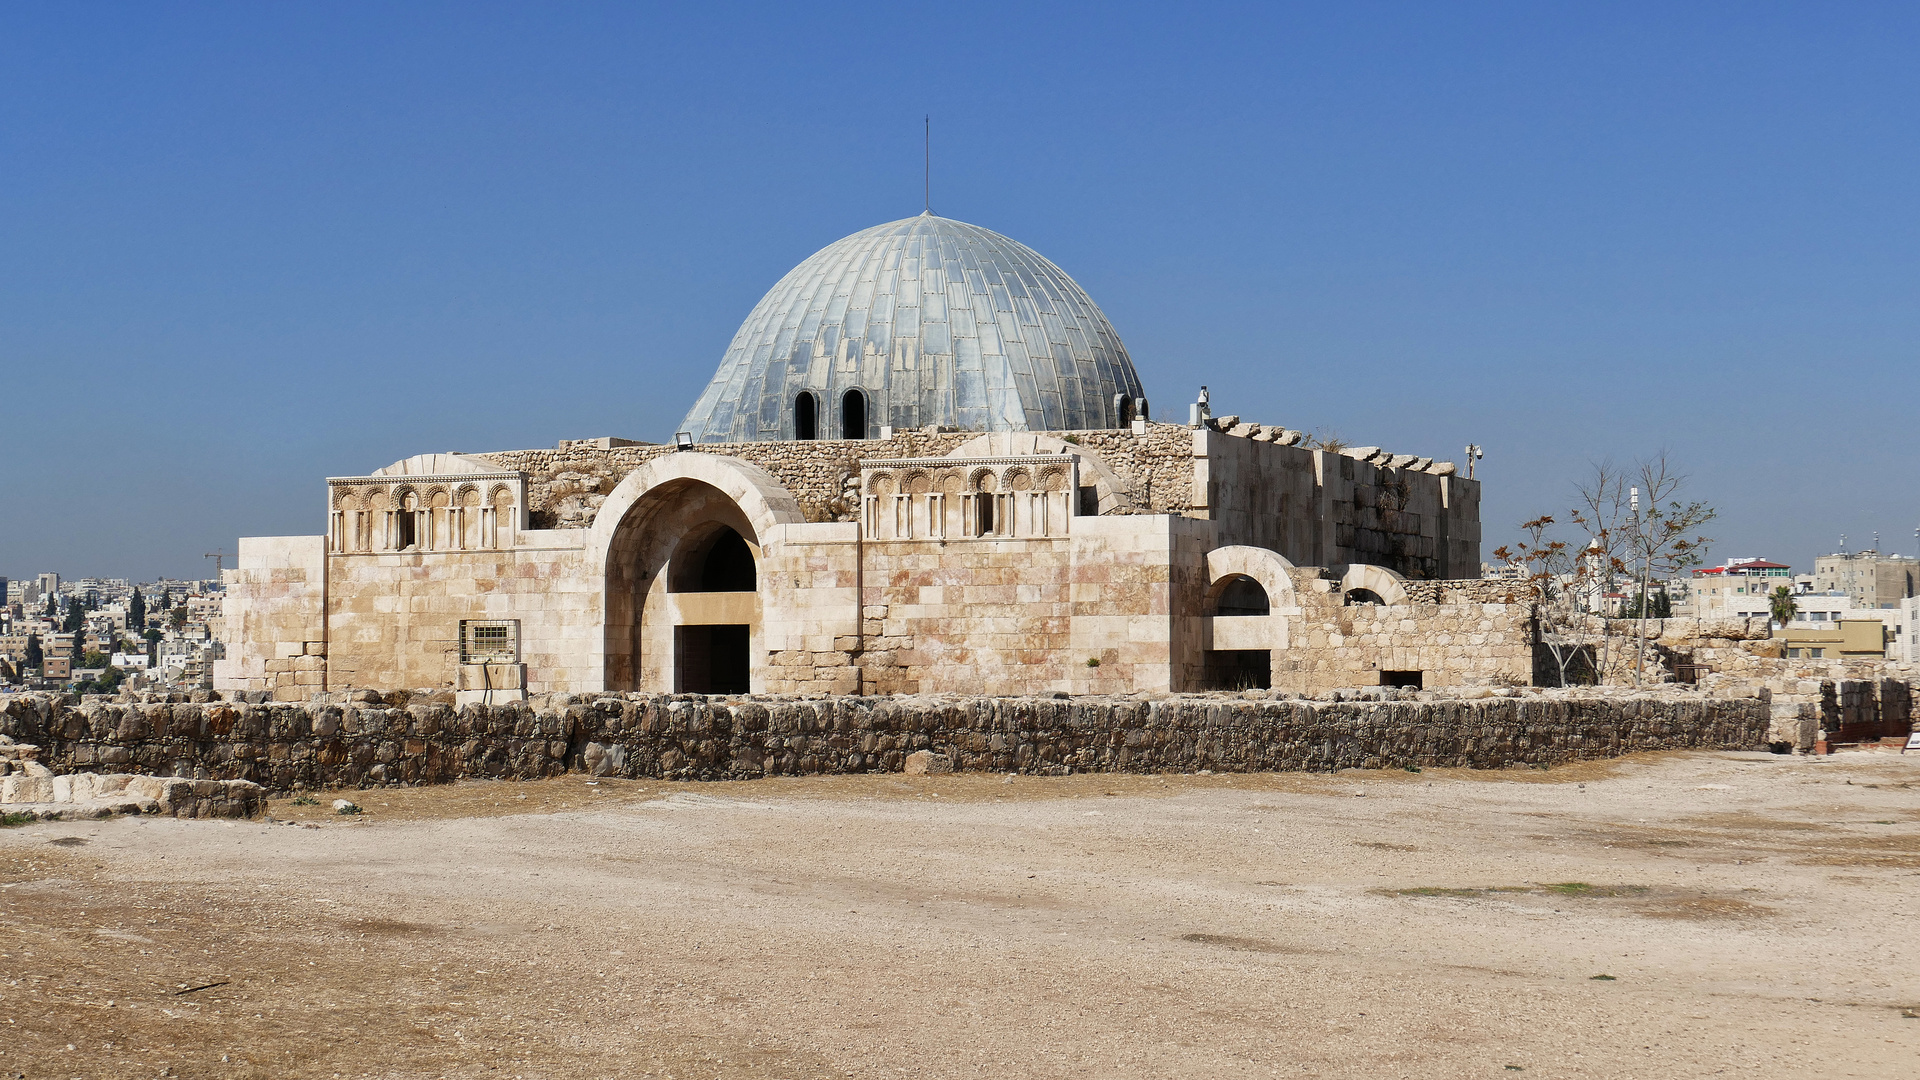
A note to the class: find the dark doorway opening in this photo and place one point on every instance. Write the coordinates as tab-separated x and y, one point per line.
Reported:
406	539
806	417
853	415
1243	596
1413	679
1238	669
983	502
714	558
712	659
728	566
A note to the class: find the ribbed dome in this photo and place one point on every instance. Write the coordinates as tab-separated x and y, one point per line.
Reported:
933	321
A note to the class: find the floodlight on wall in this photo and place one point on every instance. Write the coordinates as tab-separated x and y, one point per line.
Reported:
683	440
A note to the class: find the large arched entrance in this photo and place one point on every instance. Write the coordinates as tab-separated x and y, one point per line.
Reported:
710	585
680	544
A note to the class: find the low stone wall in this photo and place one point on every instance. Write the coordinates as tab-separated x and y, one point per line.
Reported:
338	743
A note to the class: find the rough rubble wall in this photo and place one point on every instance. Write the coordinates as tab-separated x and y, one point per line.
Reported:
347	744
1472	591
565	486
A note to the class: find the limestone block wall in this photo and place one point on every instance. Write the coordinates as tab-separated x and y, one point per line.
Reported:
973	616
394	617
274	616
335	742
1471	591
1454	644
1327	509
812	621
1138	585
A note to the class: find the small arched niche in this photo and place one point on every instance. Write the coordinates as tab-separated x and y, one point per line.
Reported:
806	416
853	415
1243	596
716	559
1363	596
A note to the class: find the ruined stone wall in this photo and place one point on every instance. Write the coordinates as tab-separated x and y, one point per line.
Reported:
566	485
1313	507
1472	591
1157	466
1458	643
336	743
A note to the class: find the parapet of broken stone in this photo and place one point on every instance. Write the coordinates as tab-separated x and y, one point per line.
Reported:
356	743
1373	455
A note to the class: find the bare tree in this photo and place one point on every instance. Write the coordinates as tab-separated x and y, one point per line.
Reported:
1664	538
1636	527
1602	511
1554	569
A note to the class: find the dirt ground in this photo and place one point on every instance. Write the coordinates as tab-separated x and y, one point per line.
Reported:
1667	916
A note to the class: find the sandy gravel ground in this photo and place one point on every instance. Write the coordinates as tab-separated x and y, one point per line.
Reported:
1752	915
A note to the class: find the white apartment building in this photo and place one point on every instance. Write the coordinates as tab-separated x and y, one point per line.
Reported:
1739	588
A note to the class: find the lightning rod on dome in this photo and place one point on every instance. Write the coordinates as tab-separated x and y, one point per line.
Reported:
926	175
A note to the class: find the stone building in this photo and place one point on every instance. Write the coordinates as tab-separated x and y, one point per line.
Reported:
925	464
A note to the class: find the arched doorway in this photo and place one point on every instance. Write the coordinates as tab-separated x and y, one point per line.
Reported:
643	523
806	418
710	573
853	415
682	606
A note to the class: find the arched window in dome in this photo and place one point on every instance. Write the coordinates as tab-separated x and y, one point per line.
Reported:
853	415
806	421
1124	406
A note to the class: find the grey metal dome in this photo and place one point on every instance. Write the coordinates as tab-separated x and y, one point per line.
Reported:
926	321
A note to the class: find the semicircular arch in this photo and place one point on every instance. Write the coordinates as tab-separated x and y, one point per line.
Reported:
644	522
1266	567
1390	587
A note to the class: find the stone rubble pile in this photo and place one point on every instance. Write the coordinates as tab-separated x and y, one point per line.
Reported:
30	788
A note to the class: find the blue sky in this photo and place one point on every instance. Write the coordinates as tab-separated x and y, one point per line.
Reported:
244	247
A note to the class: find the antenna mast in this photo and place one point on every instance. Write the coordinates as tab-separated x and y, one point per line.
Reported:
926	146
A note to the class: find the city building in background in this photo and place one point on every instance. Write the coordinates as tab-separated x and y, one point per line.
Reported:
1873	580
1736	589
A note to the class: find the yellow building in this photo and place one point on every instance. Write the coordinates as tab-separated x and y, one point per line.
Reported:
1848	639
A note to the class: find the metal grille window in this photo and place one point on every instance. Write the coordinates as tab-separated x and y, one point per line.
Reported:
489	641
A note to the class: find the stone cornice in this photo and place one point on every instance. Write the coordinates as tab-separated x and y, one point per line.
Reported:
443	478
954	462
